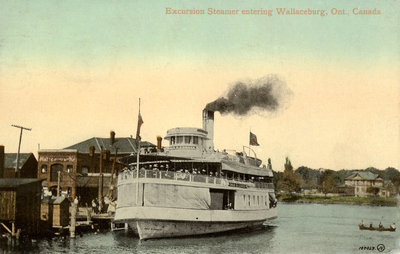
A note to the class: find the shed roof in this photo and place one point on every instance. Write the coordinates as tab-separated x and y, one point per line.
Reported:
364	175
10	159
15	182
124	145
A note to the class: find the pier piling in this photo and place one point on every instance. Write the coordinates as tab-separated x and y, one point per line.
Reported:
73	218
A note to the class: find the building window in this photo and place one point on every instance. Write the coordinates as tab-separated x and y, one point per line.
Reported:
187	139
69	168
85	170
44	168
172	141
54	172
179	140
195	140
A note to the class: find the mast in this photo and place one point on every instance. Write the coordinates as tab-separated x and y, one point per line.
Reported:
137	154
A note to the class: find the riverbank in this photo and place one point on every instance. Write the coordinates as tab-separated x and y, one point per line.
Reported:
376	201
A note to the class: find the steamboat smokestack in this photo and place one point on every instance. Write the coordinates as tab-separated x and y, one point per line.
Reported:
159	142
208	125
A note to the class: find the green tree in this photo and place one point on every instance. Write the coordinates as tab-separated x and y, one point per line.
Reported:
327	183
393	175
289	181
277	177
288	164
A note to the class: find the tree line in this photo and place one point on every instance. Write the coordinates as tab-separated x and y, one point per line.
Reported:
327	181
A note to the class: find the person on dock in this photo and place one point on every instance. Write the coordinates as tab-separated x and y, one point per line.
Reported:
95	206
111	208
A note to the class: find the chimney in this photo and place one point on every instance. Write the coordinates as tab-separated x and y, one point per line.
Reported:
91	150
2	161
112	137
159	142
208	125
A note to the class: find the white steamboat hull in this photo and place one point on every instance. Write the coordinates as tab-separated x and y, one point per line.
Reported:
147	229
164	222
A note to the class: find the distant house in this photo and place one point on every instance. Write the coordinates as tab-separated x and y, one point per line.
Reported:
364	181
8	162
345	190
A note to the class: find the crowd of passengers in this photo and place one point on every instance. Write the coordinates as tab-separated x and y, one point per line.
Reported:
203	172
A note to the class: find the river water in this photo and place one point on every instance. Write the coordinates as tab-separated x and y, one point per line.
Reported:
299	228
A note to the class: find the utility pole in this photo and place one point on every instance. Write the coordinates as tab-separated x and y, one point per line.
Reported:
113	174
58	182
19	145
100	193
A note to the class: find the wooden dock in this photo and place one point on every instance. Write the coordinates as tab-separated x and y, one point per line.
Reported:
20	206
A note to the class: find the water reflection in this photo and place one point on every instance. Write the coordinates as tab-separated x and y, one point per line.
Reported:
299	228
231	242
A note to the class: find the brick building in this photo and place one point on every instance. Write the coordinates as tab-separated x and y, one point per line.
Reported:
8	162
85	166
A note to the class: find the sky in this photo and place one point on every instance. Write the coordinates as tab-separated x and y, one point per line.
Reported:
72	70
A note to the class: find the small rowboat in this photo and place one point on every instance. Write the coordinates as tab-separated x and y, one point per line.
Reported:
362	227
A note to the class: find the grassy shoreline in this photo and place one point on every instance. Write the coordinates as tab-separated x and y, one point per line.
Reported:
375	201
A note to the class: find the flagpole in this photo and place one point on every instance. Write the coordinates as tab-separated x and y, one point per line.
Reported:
249	142
137	163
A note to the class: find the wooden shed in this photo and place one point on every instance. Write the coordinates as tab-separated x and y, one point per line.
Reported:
55	211
20	200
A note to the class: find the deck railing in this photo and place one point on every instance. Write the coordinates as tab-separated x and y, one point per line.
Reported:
182	176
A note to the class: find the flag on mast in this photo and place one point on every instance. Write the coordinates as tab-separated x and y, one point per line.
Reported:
253	139
139	124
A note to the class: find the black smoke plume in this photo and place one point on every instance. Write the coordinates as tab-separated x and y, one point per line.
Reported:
267	94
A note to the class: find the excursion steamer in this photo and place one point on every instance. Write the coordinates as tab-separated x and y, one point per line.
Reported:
187	188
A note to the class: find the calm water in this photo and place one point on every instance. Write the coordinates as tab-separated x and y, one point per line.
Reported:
300	228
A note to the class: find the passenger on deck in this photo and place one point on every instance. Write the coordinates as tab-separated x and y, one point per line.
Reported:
380	224
370	224
361	223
